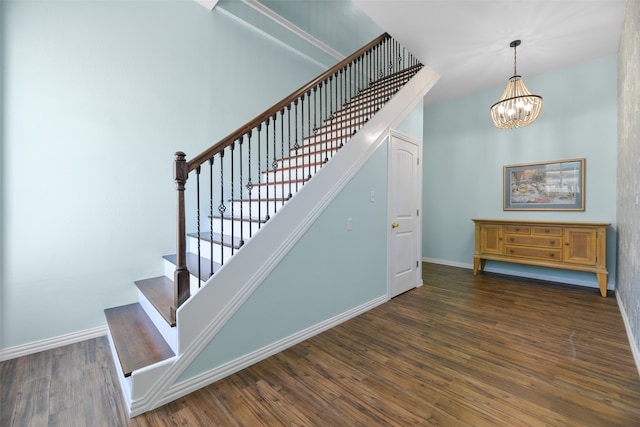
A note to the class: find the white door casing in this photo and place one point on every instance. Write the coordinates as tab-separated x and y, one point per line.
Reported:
404	219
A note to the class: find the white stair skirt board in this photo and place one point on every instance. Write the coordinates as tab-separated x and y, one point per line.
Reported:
240	228
49	343
241	276
169	334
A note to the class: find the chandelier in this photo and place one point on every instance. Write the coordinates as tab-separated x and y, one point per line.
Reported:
517	107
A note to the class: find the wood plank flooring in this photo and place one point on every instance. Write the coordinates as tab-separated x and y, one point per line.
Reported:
461	350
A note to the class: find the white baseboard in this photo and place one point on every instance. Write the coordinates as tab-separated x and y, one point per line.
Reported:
632	341
447	262
527	275
49	343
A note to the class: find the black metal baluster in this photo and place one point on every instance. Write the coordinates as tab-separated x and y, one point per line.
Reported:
282	155
249	183
211	216
309	132
198	221
221	207
343	102
370	89
323	114
332	99
241	197
276	164
267	216
233	205
259	178
297	144
316	110
289	145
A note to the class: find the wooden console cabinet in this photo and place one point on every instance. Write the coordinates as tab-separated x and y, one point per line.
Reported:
570	245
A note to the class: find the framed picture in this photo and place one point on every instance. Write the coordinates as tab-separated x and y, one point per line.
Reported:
557	185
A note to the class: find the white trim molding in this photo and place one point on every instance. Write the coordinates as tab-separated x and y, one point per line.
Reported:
49	343
632	342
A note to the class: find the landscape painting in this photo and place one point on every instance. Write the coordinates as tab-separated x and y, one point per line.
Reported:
555	185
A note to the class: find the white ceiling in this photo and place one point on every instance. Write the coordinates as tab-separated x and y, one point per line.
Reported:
467	42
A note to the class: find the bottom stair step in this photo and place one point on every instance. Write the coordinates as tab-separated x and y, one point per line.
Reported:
137	341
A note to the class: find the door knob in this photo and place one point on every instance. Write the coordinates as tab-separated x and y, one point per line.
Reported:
395	225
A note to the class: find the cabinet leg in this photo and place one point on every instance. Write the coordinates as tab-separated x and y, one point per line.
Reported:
476	263
602	283
482	263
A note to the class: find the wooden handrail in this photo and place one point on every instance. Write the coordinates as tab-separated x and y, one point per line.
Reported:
238	133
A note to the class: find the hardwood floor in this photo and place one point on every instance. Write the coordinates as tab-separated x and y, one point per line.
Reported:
461	350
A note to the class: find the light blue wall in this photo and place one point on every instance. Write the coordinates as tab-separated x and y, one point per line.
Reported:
464	157
98	96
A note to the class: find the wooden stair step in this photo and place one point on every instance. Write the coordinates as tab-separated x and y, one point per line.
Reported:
159	292
192	263
137	341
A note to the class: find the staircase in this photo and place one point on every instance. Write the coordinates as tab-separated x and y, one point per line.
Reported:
144	336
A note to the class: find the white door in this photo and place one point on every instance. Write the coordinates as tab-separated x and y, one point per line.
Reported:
404	226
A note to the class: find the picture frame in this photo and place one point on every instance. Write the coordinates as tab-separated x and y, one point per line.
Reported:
552	186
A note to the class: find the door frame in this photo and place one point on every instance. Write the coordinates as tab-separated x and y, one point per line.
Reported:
393	133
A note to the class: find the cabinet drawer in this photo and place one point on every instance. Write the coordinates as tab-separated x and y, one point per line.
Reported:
537	253
517	229
542	241
547	231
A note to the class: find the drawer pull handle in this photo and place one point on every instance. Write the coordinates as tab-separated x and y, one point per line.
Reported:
552	255
517	229
512	239
546	230
511	251
553	242
566	244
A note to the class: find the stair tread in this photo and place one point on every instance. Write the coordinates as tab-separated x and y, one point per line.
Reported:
137	341
192	264
159	292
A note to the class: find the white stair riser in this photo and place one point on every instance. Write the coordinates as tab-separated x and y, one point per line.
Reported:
264	209
276	190
169	334
320	144
302	162
240	228
205	249
287	174
341	128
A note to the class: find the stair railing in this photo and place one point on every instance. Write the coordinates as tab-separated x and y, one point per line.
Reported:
246	167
